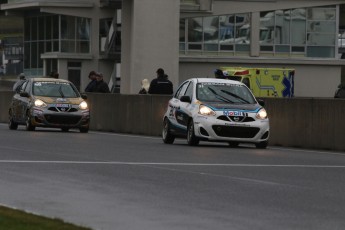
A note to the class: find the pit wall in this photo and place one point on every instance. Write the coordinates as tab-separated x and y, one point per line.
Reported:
309	123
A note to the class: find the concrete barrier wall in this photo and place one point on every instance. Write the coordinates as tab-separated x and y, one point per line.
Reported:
300	122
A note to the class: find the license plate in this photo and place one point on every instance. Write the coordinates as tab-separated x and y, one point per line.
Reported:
62	105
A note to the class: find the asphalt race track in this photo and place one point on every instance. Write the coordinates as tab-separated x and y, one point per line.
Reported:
110	181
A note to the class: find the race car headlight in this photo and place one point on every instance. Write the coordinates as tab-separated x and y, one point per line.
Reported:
40	103
262	114
204	110
83	105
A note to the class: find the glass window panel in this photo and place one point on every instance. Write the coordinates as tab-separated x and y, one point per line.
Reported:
83	28
68	46
298	49
242	47
266	48
282	48
211	47
195	30
182	46
27	55
34	55
318	51
226	47
40	51
55	27
41	28
226	29
267	23
67	27
298	27
48	46
182	30
282	27
242	28
194	46
210	29
321	26
56	46
321	13
34	29
27	34
321	39
83	47
48	26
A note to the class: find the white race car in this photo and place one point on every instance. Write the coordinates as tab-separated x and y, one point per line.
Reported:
206	109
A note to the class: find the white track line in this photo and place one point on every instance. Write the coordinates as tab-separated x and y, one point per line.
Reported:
167	164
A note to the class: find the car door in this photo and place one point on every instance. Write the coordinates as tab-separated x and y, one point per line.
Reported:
24	102
186	108
16	104
176	116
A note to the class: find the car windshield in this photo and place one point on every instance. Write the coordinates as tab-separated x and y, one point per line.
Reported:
54	89
224	92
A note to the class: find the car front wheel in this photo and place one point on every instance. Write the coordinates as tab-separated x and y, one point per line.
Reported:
261	145
84	129
11	123
28	125
168	138
191	138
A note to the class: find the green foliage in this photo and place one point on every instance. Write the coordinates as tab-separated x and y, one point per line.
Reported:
11	219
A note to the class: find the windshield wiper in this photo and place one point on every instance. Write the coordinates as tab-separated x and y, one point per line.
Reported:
220	97
235	96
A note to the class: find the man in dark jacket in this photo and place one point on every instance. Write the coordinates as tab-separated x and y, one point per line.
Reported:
161	84
92	83
100	86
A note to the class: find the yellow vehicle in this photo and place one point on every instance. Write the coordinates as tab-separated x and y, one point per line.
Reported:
263	82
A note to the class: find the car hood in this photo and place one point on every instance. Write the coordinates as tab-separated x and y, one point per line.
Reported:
227	106
52	100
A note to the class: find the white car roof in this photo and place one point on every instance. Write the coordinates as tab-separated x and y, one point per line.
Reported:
216	80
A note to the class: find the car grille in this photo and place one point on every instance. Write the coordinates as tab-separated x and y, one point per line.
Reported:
62	120
235	119
235	131
62	109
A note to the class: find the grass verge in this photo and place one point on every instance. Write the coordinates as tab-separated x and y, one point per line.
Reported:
12	219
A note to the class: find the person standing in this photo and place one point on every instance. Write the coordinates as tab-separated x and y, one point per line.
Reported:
100	86
161	84
145	85
90	87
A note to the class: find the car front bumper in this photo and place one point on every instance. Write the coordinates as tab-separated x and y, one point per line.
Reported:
214	129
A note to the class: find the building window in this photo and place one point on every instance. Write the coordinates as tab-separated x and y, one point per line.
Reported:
53	33
309	32
216	34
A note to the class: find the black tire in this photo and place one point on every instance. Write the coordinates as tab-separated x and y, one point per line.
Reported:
191	138
261	145
167	137
28	124
233	144
11	123
84	129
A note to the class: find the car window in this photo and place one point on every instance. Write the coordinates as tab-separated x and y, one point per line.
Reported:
224	92
180	92
189	91
54	89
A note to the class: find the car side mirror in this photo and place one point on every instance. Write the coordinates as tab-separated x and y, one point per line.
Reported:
24	94
261	102
84	96
186	99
